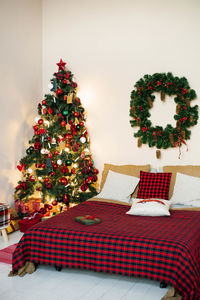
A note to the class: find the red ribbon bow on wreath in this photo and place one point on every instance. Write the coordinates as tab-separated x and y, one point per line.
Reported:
179	144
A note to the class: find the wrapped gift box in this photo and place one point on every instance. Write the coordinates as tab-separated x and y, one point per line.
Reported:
88	220
14	221
24	206
14	225
27	207
30	220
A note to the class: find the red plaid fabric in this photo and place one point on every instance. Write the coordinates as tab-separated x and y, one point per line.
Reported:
154	185
4	216
158	248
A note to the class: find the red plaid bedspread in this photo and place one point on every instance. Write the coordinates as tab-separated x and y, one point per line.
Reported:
158	248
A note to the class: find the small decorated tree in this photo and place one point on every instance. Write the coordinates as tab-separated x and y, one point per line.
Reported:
58	166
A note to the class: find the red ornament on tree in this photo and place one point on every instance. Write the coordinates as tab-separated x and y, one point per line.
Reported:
44	102
63	123
55	166
76	114
58	92
35	127
84	187
63	180
54	202
95	171
50	111
59	76
37	145
40	121
64	170
46	179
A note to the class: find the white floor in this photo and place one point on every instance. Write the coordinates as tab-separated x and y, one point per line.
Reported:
47	283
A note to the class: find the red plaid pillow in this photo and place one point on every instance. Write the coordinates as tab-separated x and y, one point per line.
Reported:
154	185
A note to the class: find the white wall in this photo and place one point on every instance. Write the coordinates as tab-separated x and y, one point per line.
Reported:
21	84
108	46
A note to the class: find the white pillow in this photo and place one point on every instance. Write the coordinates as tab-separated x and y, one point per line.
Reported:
118	187
150	207
186	190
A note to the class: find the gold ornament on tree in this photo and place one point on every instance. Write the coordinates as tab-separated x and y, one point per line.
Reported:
69	98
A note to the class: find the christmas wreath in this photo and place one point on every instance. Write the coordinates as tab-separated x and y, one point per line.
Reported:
142	98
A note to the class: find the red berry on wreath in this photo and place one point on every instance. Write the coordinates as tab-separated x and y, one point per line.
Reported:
44	102
56	152
81	124
46	179
52	173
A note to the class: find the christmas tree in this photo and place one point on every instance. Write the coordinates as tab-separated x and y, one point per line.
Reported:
58	166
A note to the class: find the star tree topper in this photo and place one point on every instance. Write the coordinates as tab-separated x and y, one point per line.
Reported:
61	65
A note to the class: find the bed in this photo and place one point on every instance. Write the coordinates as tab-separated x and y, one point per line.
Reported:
157	248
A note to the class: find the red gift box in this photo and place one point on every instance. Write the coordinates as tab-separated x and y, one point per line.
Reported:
24	207
27	222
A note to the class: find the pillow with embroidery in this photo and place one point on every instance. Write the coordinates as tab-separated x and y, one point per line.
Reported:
154	185
149	207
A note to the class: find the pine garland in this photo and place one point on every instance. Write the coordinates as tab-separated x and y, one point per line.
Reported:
142	98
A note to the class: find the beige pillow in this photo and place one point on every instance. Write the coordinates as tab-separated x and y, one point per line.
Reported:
131	170
187	170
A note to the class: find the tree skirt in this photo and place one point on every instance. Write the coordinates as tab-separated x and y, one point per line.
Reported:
6	254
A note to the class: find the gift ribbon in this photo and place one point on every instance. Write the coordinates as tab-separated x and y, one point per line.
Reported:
91	218
32	217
